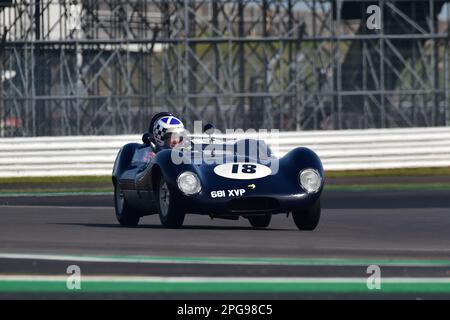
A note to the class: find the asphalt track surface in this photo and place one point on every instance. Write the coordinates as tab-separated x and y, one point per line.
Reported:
406	233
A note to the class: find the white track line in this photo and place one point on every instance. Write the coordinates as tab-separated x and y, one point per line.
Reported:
224	261
152	279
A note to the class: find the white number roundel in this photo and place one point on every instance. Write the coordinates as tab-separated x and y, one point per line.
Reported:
242	170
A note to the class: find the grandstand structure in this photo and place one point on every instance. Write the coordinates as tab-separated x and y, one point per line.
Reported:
96	67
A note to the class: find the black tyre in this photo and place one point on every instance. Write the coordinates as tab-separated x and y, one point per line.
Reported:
124	214
171	215
261	221
307	219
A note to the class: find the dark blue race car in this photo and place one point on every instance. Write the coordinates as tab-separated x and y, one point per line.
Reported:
220	180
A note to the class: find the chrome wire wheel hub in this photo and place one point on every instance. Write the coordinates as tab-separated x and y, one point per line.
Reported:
164	198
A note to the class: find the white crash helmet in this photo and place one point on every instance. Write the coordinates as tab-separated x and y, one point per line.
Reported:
164	128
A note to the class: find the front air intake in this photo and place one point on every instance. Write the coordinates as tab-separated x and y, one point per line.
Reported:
253	204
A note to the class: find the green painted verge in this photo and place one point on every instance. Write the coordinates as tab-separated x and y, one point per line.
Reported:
220	287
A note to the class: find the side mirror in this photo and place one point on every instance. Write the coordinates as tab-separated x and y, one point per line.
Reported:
208	128
146	138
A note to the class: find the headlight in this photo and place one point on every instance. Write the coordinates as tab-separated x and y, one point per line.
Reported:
310	180
189	183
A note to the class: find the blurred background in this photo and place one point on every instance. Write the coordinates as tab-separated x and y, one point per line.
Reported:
88	67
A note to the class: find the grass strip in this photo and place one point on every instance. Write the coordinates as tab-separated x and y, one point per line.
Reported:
440	171
406	172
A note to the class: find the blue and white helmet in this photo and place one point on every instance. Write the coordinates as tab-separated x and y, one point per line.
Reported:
164	128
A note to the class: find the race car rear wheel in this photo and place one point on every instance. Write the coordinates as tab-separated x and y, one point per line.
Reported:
261	221
124	214
307	219
171	215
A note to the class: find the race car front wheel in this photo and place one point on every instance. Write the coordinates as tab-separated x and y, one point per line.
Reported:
307	219
124	213
171	215
262	221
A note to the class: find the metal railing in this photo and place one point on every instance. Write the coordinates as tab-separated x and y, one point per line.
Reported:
339	150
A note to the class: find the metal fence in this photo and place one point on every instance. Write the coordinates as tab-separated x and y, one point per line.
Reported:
88	67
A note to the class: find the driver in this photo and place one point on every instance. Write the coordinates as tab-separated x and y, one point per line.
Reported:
167	132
